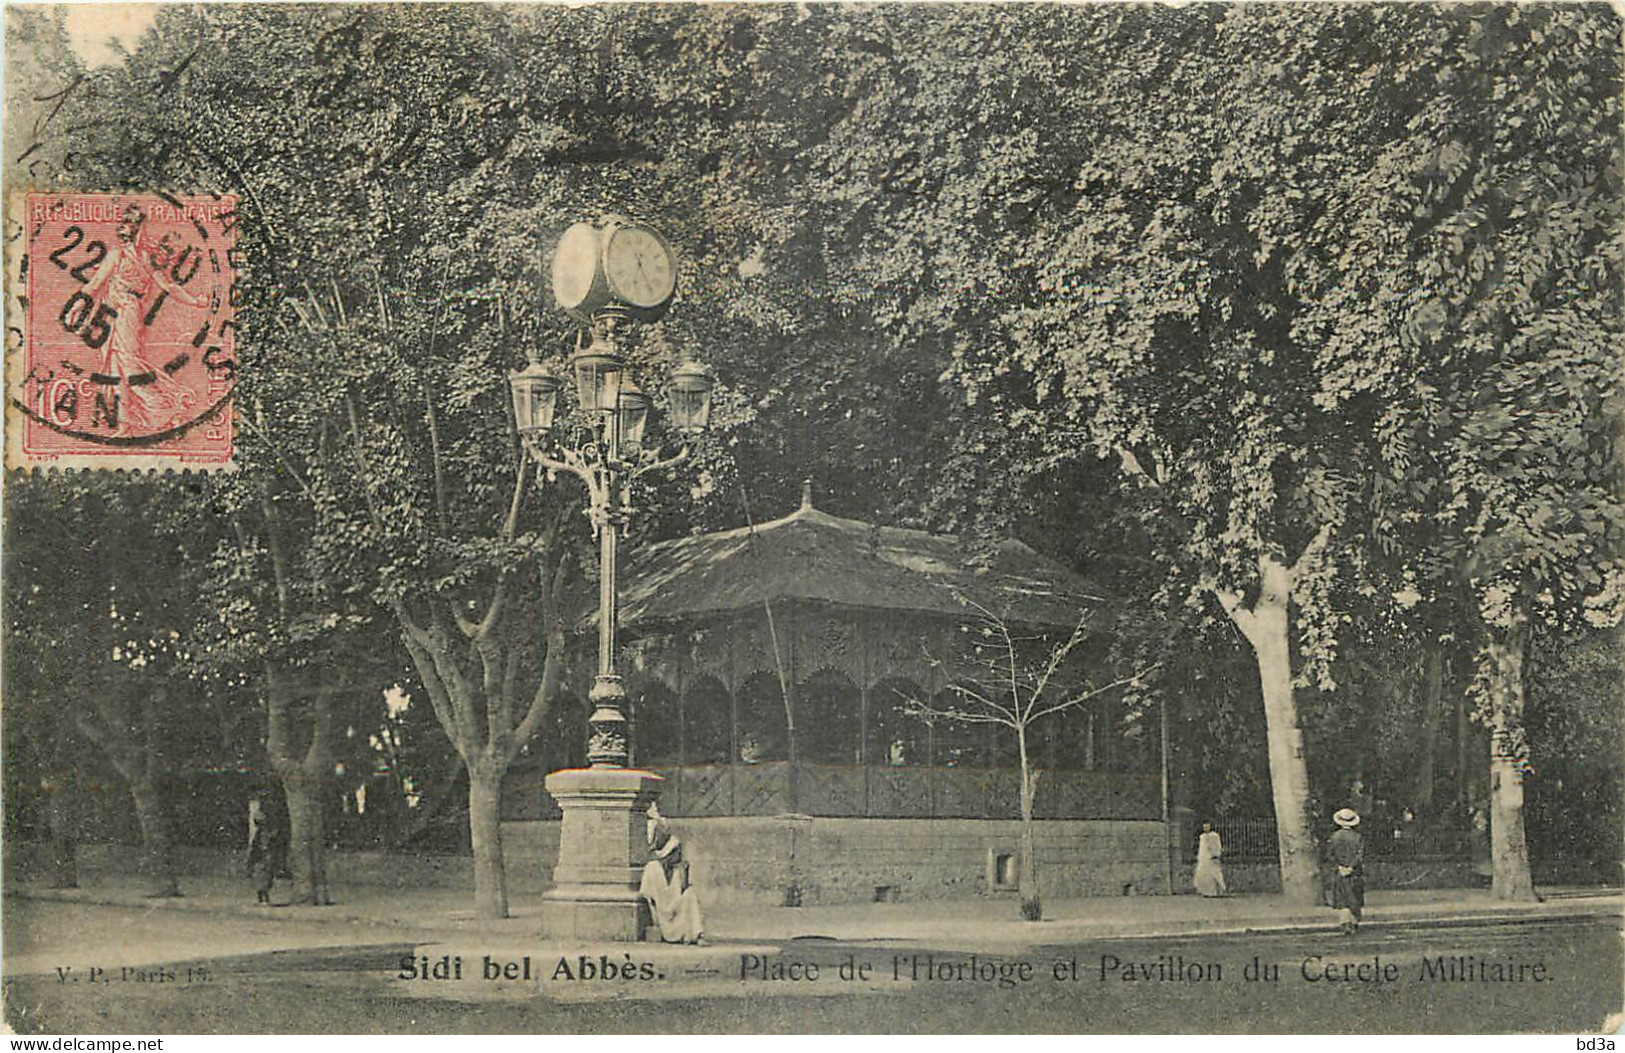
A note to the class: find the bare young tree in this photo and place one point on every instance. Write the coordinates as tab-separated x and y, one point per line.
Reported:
1014	681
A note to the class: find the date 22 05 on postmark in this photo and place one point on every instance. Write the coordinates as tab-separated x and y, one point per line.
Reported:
127	353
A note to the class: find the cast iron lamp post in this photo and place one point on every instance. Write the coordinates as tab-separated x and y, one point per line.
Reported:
605	277
608	459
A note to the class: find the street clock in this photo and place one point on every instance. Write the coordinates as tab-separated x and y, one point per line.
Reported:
623	265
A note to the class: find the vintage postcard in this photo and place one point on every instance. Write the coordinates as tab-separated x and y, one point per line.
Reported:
801	518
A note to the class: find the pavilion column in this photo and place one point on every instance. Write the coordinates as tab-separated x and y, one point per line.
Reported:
863	739
865	678
1170	838
683	680
936	683
1105	738
733	727
791	683
931	767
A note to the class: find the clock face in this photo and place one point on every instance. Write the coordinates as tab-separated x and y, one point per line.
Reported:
575	265
640	267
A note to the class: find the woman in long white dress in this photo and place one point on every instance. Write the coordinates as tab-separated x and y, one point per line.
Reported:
1209	871
672	900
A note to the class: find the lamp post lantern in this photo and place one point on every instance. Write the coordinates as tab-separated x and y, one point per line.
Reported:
535	399
606	278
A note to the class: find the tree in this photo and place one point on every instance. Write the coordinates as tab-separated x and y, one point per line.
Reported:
1535	451
1228	310
301	644
367	213
1576	796
1164	336
1505	472
1010	679
96	620
47	649
45	83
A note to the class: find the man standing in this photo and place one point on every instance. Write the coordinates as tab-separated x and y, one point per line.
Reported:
267	847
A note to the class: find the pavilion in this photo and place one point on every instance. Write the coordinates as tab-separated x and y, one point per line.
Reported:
769	667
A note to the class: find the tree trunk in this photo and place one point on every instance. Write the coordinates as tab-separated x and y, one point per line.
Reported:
61	799
64	836
137	765
455	701
1432	694
1032	907
485	835
462	703
1265	627
307	838
1464	791
1509	848
157	846
303	781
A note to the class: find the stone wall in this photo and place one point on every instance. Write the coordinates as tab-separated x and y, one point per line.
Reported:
775	860
770	860
29	862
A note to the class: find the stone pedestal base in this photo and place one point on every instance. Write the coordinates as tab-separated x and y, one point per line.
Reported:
602	845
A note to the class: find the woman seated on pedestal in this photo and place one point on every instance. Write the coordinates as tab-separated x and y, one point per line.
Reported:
672	900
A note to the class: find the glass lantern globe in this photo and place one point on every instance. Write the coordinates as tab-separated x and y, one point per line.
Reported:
598	369
634	413
535	392
690	394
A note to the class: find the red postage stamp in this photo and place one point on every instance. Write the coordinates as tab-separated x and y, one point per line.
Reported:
128	354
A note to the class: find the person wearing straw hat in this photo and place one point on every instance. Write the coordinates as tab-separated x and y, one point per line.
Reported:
1346	850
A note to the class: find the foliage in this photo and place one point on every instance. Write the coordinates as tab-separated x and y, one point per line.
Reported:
1175	292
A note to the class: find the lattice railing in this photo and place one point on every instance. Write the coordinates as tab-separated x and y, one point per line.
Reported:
904	792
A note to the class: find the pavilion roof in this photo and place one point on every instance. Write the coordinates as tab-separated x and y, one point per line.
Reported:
812	556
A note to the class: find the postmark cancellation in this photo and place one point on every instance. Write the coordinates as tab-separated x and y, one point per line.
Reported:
121	339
